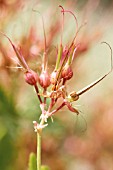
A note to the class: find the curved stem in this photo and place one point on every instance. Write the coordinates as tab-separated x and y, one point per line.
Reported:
38	150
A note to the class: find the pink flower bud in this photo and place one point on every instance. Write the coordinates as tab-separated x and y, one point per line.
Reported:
67	72
53	77
31	77
44	79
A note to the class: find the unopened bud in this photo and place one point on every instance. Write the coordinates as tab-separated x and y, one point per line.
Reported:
53	77
44	79
67	72
31	77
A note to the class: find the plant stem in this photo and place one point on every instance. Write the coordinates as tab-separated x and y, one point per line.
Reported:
38	150
37	91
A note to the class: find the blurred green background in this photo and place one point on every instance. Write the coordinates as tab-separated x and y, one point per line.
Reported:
83	142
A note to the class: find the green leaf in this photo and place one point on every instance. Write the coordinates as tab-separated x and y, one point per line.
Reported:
44	167
32	162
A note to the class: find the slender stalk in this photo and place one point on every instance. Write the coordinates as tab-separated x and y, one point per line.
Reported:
44	91
38	150
60	50
37	91
54	111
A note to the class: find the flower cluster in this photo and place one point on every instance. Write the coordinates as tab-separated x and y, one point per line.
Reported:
56	81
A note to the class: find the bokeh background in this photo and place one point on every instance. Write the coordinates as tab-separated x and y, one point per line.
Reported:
83	142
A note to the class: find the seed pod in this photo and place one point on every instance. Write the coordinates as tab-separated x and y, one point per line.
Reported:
31	77
44	79
67	72
53	77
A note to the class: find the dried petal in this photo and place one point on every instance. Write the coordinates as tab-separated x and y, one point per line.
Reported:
72	109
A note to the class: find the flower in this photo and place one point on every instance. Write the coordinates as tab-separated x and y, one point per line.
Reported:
53	85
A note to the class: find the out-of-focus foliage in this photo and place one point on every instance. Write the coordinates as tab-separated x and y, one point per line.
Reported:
32	162
45	167
8	127
70	142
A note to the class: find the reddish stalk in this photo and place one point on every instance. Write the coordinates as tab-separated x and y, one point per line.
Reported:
37	91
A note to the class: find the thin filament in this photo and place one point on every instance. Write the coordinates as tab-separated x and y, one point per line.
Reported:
111	53
78	31
73	16
62	22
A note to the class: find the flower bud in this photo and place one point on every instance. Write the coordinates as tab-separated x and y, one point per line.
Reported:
53	77
44	79
67	72
31	77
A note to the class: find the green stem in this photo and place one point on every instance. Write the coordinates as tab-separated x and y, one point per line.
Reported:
60	50
38	150
70	57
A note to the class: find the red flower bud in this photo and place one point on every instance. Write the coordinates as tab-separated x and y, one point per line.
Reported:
31	77
53	77
67	72
44	79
